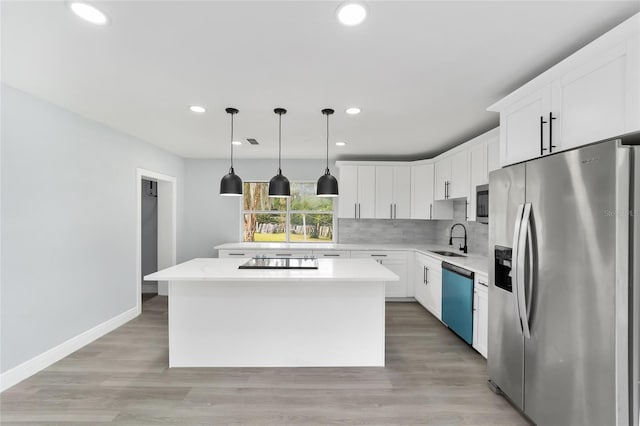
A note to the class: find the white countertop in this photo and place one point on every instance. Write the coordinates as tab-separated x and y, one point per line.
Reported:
472	261
214	269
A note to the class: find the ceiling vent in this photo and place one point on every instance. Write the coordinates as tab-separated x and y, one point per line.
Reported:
252	141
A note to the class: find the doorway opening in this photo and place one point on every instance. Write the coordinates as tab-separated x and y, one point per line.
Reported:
149	248
155	231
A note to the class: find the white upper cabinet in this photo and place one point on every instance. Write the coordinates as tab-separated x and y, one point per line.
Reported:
393	192
459	183
493	154
592	95
442	178
589	102
478	175
522	128
357	192
422	191
452	176
402	192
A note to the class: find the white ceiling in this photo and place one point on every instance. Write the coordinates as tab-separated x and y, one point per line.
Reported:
422	72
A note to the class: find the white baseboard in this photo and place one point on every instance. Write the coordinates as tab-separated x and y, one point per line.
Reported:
28	368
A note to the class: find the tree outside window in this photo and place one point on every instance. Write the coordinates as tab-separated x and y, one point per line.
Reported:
303	217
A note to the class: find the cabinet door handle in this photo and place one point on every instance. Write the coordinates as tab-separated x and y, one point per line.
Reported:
395	211
551	145
424	275
466	211
355	210
445	189
542	123
359	211
330	255
379	255
391	211
236	254
427	275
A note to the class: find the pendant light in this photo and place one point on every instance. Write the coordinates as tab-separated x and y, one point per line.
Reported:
279	184
231	184
327	185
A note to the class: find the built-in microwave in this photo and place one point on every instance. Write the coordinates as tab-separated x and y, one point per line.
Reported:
482	203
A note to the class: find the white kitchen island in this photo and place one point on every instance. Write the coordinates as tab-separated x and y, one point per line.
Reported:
222	316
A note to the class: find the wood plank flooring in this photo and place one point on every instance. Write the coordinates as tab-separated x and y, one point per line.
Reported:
431	378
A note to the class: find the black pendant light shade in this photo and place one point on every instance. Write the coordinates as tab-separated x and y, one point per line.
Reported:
231	184
327	185
279	184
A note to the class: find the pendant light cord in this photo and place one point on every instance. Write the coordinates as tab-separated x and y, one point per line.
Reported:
231	141
327	142
279	142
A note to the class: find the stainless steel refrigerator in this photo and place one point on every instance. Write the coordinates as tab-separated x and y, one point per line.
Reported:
564	285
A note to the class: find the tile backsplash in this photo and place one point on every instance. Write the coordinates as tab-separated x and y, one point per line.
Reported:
403	231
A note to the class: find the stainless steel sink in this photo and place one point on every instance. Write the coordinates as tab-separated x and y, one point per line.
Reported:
447	253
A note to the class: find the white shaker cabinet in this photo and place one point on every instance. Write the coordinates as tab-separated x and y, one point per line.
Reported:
522	128
589	102
428	283
452	176
442	178
393	192
478	175
397	262
593	94
422	191
493	154
480	314
357	192
459	183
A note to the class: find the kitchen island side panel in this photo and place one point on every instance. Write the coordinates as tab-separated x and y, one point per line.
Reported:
276	324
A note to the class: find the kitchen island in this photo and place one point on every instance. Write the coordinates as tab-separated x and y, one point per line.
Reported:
222	316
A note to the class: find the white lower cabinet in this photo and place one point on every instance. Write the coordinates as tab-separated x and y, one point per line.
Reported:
428	283
397	262
480	314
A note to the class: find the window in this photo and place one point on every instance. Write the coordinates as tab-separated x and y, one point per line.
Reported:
301	218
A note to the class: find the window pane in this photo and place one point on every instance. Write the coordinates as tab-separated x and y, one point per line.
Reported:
256	197
303	197
312	227
265	227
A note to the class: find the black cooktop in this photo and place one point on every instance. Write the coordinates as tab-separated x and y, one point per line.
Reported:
280	263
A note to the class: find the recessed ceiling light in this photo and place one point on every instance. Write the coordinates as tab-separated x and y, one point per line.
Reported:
236	143
89	13
353	111
197	108
341	143
351	14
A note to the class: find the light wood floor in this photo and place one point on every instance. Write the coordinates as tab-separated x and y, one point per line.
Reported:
431	377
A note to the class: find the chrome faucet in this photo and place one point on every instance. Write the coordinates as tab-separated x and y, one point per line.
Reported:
451	237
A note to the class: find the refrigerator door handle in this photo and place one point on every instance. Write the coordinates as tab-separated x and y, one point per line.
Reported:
523	237
516	264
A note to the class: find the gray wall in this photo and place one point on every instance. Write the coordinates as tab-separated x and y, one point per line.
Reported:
211	219
68	223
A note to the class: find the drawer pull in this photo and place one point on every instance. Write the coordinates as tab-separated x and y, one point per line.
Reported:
331	255
283	254
236	254
379	255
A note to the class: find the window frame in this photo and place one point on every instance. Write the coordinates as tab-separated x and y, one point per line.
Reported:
287	213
